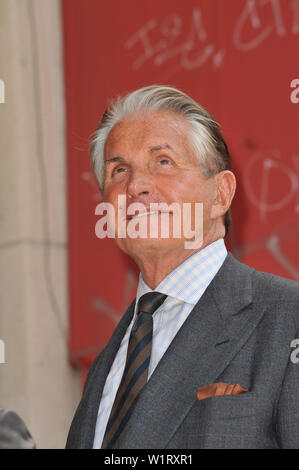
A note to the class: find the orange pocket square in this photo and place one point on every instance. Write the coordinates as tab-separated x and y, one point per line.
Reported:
219	388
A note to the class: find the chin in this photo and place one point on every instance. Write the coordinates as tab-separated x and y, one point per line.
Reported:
142	245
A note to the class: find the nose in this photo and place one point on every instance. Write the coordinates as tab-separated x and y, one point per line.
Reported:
139	185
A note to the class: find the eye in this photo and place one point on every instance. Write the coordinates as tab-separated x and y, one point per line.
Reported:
118	169
165	161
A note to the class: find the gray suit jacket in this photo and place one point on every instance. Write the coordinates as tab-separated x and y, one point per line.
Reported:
239	332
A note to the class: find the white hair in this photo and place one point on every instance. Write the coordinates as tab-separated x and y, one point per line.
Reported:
206	139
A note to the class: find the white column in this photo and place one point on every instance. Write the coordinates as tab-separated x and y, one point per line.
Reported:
36	380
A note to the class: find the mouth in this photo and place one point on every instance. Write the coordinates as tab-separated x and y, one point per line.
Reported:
142	214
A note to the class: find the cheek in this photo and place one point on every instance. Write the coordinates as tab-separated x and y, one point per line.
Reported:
110	194
185	189
174	188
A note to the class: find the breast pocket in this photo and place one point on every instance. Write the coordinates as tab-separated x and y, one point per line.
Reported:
227	421
228	406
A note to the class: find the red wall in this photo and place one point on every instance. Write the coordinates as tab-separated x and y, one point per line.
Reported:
237	58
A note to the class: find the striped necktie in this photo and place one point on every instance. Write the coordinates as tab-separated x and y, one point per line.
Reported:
136	369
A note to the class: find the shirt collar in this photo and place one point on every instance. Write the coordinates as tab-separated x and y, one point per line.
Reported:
189	280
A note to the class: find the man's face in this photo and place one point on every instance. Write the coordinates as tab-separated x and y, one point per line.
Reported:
149	159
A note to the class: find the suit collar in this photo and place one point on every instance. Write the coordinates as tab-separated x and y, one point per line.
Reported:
232	287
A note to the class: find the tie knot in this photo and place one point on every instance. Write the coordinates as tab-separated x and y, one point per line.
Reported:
149	302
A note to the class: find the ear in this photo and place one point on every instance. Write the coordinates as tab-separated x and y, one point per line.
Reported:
225	186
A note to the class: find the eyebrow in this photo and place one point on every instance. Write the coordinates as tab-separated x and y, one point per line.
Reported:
153	149
157	148
113	159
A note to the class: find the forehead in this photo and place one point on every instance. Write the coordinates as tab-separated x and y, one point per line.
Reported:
149	129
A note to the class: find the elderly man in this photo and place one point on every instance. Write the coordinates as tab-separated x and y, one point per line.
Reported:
205	357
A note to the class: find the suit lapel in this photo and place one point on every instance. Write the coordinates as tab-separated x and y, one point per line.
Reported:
88	409
214	332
